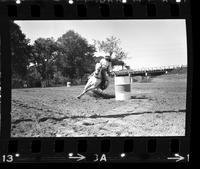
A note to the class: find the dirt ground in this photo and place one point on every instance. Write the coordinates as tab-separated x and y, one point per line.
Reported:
157	108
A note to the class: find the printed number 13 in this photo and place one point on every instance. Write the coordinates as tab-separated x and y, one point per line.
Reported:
8	158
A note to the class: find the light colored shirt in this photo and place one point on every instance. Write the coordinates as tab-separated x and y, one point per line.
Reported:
106	65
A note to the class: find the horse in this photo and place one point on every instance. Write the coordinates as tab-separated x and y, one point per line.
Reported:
94	81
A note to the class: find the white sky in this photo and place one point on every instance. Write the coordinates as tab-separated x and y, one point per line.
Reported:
149	43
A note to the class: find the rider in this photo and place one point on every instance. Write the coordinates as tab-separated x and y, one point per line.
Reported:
106	69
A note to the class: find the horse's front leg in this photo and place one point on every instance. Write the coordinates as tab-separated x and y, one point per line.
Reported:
79	96
85	91
88	85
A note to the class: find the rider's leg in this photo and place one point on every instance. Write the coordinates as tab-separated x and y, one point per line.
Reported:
106	80
103	74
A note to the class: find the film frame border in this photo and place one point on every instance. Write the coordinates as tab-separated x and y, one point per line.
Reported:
151	150
139	10
144	9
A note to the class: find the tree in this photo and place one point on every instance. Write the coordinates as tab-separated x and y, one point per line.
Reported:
44	54
33	78
111	46
117	62
76	55
20	51
120	54
97	59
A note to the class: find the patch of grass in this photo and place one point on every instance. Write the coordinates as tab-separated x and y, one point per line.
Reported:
145	79
180	70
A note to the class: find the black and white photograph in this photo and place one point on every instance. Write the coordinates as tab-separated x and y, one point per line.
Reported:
0	84
98	78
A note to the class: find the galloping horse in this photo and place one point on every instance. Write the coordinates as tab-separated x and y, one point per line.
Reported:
93	82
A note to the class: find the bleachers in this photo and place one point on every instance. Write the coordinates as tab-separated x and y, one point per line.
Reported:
146	72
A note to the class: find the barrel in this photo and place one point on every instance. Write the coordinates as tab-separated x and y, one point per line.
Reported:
122	88
68	84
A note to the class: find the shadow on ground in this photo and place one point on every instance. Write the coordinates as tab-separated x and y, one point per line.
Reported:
101	95
101	116
139	97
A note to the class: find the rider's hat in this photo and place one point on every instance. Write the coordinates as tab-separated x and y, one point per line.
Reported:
107	57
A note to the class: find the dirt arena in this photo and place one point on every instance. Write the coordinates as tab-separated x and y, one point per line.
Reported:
157	108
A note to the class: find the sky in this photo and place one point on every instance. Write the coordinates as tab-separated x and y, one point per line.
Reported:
149	43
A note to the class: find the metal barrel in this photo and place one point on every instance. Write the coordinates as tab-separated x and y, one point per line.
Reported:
122	88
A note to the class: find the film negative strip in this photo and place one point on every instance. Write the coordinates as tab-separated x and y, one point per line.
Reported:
135	107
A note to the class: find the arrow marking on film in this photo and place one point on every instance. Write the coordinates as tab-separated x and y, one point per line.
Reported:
79	157
177	158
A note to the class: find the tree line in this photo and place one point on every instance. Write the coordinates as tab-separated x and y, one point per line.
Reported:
49	62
